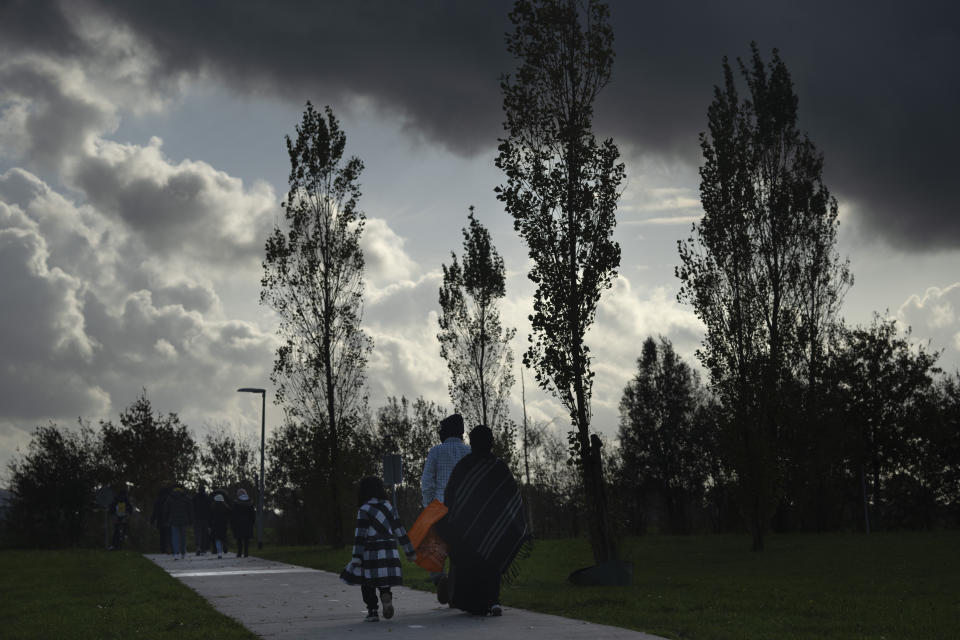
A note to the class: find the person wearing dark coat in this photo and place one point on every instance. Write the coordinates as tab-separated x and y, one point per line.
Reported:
179	514
484	527
201	519
159	519
242	519
219	518
120	509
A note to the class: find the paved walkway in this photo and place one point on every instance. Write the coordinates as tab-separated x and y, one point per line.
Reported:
276	600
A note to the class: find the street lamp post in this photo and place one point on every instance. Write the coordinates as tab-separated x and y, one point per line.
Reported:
263	423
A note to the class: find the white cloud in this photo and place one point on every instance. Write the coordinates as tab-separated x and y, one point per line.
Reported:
88	320
55	107
48	111
45	343
648	204
55	112
385	258
402	320
188	209
663	220
625	318
935	316
664	199
80	240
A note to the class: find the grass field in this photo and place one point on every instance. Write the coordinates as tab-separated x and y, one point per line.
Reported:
832	587
101	595
824	587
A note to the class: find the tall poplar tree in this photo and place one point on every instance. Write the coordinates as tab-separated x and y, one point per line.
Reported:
761	270
473	340
313	279
562	189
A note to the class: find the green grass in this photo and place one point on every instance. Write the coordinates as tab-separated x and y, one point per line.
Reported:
824	587
100	595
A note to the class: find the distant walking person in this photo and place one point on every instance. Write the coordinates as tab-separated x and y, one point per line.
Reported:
219	518
120	509
242	519
158	518
436	472
201	519
375	564
179	514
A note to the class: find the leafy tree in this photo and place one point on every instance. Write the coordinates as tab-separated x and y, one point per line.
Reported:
552	496
761	270
818	445
720	482
53	486
938	462
662	449
148	449
411	438
473	341
300	486
393	425
313	279
298	481
562	189
227	460
886	382
423	433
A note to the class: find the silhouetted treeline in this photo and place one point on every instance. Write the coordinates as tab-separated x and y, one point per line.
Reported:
54	482
879	449
884	436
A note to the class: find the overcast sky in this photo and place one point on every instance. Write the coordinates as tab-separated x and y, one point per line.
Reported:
142	164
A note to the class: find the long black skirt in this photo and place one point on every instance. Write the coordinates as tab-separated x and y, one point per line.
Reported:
474	587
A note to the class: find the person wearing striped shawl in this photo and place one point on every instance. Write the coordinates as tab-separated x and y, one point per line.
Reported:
375	564
484	528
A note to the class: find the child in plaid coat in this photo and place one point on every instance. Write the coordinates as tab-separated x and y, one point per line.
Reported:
375	564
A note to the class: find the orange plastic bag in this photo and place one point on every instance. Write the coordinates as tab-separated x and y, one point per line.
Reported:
431	550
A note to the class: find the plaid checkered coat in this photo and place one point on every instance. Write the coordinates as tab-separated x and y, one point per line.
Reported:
375	559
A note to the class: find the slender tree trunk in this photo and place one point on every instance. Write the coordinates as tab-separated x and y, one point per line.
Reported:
480	367
337	516
526	436
592	474
757	525
526	454
751	486
863	491
601	511
877	507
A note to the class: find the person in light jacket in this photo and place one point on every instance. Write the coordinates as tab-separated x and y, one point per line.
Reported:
436	472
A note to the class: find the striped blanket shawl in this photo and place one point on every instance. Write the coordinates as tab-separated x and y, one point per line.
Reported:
485	520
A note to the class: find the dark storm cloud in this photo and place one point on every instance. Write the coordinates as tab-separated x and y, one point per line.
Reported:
39	25
877	85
